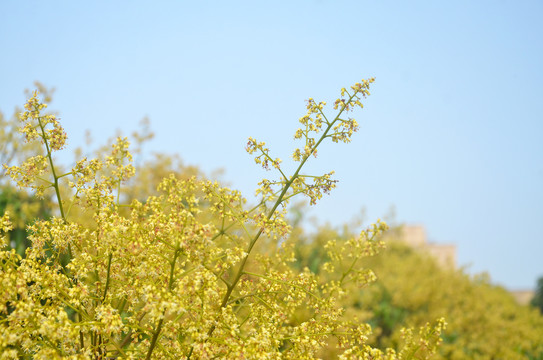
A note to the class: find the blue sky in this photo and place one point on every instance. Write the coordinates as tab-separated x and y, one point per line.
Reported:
451	136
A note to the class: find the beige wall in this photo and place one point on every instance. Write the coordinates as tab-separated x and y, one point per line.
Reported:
445	254
523	297
415	236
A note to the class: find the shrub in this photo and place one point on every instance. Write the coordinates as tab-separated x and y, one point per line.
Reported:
191	272
484	321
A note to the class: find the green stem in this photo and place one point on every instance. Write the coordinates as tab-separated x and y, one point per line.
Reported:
55	183
72	203
154	339
108	276
68	173
128	338
118	191
273	161
161	321
81	339
239	273
45	181
288	183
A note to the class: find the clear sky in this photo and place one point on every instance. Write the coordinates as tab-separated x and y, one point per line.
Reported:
451	136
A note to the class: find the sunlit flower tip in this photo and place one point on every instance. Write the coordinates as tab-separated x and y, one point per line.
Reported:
5	223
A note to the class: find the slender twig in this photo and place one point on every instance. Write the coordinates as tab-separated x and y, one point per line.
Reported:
108	277
279	200
158	328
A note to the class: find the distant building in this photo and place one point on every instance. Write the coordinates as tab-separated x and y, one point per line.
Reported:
415	236
445	254
523	297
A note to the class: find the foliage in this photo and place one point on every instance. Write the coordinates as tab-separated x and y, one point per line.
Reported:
22	206
484	321
24	209
12	146
189	272
537	300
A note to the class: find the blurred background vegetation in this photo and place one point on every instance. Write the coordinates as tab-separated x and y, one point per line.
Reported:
484	320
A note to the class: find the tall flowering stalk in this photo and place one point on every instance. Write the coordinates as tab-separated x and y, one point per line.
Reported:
189	273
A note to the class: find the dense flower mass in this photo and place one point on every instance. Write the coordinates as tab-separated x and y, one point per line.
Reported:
188	272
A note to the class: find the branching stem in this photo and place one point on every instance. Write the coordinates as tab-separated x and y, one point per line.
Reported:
287	186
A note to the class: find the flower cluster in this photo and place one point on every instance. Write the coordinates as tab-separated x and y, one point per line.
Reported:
29	172
5	223
320	185
37	125
425	345
264	158
190	272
